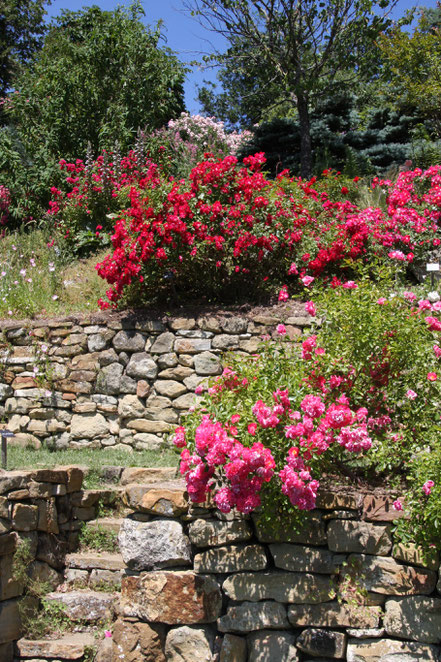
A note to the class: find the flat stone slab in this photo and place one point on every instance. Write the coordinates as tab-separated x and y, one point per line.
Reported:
416	617
106	524
90	560
250	616
334	615
231	559
293	587
298	558
167	498
208	533
85	606
349	536
390	650
381	574
268	646
71	647
147	475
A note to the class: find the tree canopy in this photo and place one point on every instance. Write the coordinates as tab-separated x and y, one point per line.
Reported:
303	49
99	76
21	31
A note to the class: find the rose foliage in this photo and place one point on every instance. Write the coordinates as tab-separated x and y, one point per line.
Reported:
359	394
227	232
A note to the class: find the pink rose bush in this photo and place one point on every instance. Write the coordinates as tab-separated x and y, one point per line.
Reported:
351	397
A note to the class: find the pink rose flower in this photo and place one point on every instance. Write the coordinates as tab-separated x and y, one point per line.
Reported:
411	394
381	301
281	329
397	505
427	487
432	376
310	308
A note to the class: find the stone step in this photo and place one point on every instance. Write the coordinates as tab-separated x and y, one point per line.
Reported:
69	647
106	523
148	475
95	560
85	606
106	496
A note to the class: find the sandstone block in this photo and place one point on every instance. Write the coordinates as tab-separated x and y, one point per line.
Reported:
379	508
212	533
163	344
349	536
130	406
192	345
96	342
300	588
137	642
179	373
185	402
170	388
416	617
388	650
250	616
233	649
224	342
267	646
386	576
300	558
207	363
233	325
128	341
142	366
71	647
175	598
231	559
88	426
157	544
415	555
334	615
84	606
182	323
47	516
322	642
144	425
166	499
24	517
10	623
187	644
169	360
147	475
108	380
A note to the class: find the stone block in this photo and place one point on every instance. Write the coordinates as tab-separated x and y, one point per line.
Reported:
300	588
187	644
386	576
212	533
24	517
163	344
390	650
174	598
170	388
192	345
10	622
250	616
224	342
84	606
268	646
157	544
142	366
207	363
137	642
231	559
70	647
415	555
334	615
88	426
322	642
166	499
350	536
128	341
416	617
379	508
300	558
233	649
108	380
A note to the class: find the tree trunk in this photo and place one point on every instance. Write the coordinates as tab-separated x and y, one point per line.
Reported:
305	137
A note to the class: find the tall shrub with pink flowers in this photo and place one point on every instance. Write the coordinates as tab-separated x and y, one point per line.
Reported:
360	395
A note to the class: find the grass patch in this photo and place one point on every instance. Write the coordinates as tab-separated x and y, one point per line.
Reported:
98	539
94	459
38	277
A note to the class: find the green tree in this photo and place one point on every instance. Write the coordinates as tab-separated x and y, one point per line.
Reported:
21	31
305	49
99	76
412	65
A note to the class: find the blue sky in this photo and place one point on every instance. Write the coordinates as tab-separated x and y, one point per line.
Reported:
184	35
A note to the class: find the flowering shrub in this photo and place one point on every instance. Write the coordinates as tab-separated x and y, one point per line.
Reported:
94	190
5	201
361	393
228	230
182	144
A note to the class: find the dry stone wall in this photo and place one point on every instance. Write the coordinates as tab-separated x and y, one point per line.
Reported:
120	383
45	509
229	588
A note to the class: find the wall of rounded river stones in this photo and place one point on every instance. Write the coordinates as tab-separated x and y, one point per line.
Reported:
119	382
